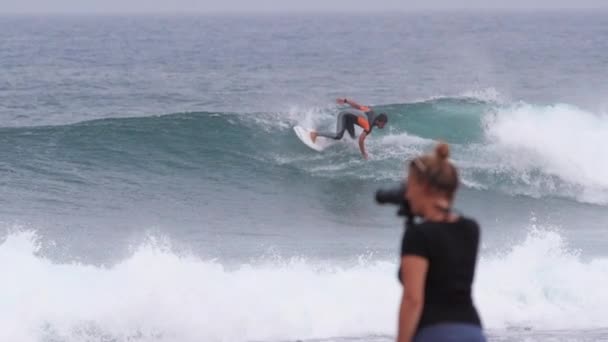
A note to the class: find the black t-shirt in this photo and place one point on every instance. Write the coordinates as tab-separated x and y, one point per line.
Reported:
451	249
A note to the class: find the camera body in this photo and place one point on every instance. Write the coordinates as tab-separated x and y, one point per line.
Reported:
396	196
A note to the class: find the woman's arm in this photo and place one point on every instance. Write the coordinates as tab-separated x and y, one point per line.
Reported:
413	273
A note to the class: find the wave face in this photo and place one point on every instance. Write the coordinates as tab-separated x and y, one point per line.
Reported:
158	294
517	149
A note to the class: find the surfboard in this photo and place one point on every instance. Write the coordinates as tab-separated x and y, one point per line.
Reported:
304	135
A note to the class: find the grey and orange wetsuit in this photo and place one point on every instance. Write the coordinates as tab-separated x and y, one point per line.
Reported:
347	121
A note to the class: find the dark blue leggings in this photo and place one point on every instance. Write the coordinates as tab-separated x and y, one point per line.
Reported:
450	332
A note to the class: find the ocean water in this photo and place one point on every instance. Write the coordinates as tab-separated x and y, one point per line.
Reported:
153	190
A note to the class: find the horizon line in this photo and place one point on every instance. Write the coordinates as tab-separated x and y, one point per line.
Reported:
309	11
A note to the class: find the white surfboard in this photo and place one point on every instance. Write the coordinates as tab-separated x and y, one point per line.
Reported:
304	135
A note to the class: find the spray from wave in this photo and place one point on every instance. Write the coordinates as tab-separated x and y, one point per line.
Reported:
519	149
560	141
160	295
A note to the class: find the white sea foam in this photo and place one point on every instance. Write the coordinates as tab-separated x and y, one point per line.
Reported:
158	295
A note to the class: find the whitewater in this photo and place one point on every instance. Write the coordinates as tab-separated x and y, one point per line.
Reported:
186	298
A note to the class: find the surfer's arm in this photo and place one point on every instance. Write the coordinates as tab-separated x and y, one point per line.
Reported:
362	144
413	272
353	104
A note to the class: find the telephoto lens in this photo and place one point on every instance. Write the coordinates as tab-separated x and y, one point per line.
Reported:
396	196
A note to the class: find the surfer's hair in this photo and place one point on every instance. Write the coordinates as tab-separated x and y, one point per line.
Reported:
382	118
437	171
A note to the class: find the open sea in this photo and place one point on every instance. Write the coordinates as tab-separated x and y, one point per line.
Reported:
152	188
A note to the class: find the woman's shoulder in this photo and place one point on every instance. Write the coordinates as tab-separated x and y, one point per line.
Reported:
461	221
469	221
469	225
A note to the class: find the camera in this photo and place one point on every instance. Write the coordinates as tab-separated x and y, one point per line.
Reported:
396	196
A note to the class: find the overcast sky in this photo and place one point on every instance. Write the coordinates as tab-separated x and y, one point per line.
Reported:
105	6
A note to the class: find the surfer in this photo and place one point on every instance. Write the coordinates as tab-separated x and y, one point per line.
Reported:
362	116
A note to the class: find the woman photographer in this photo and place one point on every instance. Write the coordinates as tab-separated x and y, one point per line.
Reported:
438	257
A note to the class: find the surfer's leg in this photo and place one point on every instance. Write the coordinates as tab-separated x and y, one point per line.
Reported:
341	126
350	127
